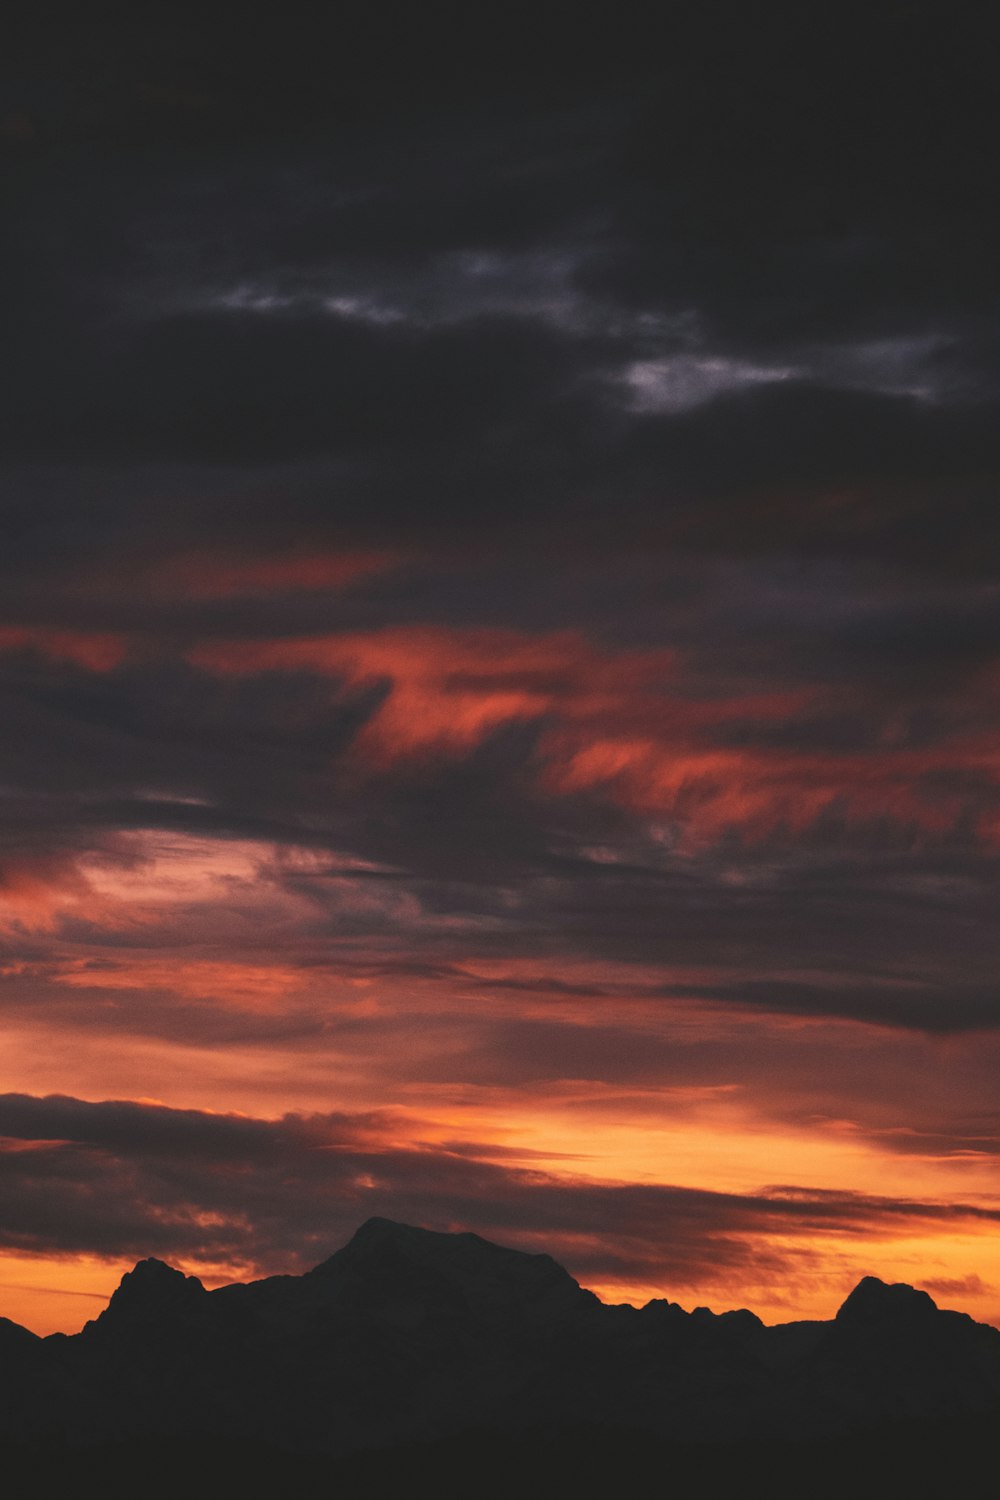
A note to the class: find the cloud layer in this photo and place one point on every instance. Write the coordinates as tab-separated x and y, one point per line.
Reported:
499	623
264	1196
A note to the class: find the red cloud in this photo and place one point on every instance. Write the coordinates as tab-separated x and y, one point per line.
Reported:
637	727
95	651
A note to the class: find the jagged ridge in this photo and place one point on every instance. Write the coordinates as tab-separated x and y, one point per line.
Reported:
406	1333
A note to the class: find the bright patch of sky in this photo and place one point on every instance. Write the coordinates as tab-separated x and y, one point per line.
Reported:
679	382
671	363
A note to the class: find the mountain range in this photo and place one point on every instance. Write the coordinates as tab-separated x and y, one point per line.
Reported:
408	1336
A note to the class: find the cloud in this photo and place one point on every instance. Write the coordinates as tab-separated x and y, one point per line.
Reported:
124	1180
640	805
512	546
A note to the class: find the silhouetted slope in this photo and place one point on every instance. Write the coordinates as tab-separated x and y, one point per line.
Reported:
406	1335
14	1338
891	1353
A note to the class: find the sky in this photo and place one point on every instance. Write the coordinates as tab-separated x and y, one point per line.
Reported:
499	646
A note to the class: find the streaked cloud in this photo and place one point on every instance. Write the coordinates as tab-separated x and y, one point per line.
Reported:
499	638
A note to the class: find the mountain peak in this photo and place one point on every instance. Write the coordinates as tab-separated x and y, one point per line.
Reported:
876	1301
378	1229
149	1291
151	1271
386	1259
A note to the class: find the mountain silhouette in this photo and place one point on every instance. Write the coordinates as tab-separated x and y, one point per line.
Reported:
408	1336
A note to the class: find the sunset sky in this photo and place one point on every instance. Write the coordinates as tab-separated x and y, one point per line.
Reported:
500	647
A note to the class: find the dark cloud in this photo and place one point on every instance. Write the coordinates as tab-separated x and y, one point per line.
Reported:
121	1179
878	907
428	296
256	387
508	512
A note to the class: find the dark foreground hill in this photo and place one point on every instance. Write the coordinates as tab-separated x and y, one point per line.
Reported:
413	1356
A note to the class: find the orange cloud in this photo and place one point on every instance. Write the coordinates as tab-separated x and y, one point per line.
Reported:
265	986
708	790
34	891
631	726
450	688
